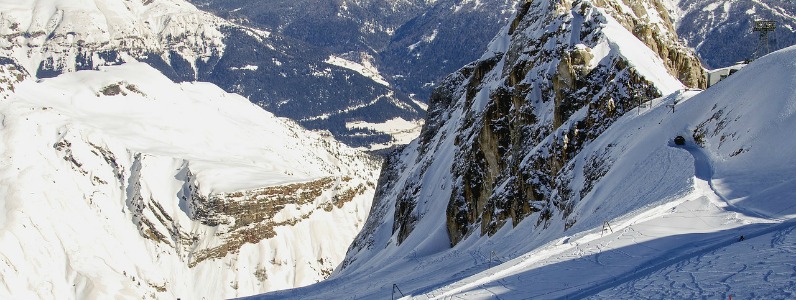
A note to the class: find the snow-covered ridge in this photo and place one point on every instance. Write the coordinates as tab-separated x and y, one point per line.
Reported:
121	183
713	218
63	35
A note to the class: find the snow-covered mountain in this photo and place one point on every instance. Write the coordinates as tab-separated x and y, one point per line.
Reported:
119	183
286	76
342	26
721	31
447	35
549	169
502	132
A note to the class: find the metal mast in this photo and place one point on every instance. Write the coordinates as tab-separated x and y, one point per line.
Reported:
763	27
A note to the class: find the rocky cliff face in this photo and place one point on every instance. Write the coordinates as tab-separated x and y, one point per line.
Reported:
501	133
541	104
652	23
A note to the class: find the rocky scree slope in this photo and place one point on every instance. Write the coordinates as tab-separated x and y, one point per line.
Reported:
119	183
501	133
283	75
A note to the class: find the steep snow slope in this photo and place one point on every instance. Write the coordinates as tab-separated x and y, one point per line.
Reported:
739	181
285	76
664	221
501	133
119	183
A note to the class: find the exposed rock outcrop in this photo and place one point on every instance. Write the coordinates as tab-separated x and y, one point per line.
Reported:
546	97
501	133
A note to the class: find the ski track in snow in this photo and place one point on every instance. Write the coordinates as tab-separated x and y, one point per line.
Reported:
675	214
601	254
703	173
717	272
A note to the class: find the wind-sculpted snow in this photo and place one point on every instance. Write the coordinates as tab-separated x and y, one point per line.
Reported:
119	183
758	268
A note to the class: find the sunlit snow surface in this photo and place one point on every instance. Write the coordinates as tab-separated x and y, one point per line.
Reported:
77	151
193	121
402	131
665	222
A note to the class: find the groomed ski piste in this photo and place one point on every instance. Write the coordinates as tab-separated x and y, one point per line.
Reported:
666	221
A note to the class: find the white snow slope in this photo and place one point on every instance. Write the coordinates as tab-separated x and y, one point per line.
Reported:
55	32
664	222
119	183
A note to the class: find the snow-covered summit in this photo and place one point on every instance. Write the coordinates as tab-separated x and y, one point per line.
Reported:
60	35
502	131
121	183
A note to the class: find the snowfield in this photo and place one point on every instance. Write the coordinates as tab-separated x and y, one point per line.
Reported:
402	131
45	34
119	183
666	221
366	68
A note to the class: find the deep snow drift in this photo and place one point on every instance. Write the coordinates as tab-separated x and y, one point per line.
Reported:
119	183
665	221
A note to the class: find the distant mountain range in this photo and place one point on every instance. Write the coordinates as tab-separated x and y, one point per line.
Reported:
284	75
305	60
414	42
721	31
